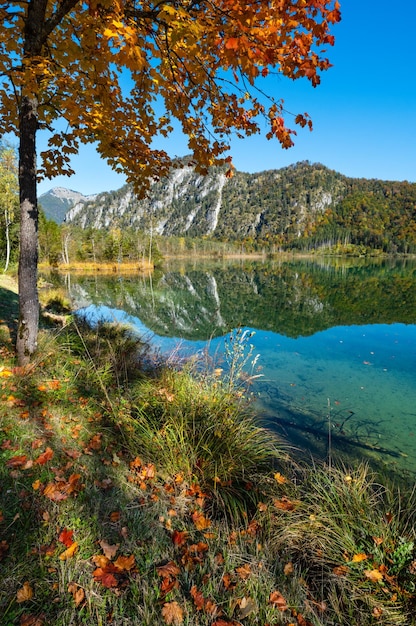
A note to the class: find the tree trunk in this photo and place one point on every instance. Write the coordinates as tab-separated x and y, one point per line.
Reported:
27	333
6	217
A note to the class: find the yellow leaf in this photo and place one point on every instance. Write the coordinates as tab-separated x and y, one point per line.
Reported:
24	593
374	575
279	478
69	552
359	557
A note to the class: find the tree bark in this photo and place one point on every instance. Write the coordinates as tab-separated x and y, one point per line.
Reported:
27	333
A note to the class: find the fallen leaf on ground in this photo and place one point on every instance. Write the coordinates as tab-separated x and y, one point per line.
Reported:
109	550
198	598
172	613
374	575
179	537
106	576
357	558
284	504
77	593
281	480
169	569
277	600
44	457
201	522
244	571
125	562
100	560
246	607
17	461
65	537
24	593
69	552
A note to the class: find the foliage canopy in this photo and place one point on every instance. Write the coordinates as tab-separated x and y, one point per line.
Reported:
134	67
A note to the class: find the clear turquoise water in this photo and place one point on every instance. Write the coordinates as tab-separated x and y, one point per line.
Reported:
327	387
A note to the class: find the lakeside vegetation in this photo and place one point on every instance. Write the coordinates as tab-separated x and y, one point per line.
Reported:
138	492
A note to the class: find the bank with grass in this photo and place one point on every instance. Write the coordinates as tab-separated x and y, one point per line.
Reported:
135	491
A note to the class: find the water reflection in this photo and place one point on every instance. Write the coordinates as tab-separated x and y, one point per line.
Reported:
292	299
337	341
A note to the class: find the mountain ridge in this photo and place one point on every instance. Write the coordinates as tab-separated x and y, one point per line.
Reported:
280	206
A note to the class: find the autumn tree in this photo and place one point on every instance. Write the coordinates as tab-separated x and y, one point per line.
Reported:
8	196
120	72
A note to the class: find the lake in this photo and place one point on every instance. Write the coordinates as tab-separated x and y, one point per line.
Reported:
335	339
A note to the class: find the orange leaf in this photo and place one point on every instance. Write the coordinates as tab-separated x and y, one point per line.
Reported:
172	613
284	504
69	552
167	585
357	558
24	593
198	597
232	43
54	493
17	461
200	521
65	537
95	442
44	457
100	560
125	562
77	593
277	600
170	569
341	570
244	571
377	612
227	582
136	463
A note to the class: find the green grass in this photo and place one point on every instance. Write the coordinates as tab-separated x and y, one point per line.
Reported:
178	506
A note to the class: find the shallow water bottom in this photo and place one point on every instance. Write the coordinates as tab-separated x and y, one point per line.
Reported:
351	389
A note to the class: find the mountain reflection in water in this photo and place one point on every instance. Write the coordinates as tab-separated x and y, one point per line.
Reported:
337	341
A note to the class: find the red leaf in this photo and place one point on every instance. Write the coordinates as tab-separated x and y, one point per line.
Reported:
65	537
105	575
179	537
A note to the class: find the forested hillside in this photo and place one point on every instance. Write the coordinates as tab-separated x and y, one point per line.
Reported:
302	206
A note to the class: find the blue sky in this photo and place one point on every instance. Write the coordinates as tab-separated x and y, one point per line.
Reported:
364	110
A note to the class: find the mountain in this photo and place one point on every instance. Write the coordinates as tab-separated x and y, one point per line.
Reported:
186	203
57	201
300	205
